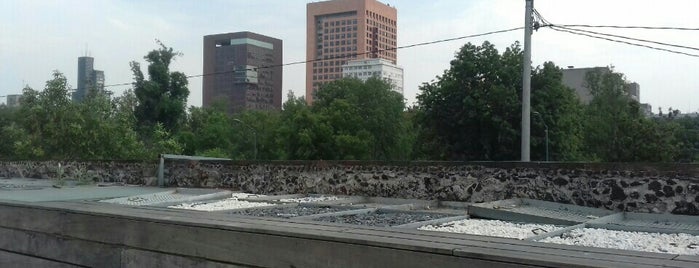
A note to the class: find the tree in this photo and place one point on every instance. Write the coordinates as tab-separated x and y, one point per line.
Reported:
616	129
162	98
470	112
302	134
473	111
556	106
366	118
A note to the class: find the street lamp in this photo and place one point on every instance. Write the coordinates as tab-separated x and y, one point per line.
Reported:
254	132
546	133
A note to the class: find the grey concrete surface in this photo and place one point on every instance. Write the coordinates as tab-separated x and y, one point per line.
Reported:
26	190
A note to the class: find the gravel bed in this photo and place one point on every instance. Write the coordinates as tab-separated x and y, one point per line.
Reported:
492	228
288	212
230	203
310	199
382	219
684	244
142	200
245	195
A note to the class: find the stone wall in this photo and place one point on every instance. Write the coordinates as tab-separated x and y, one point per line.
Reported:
657	188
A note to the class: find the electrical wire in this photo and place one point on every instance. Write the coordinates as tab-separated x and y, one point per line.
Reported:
555	28
629	38
601	36
349	56
631	27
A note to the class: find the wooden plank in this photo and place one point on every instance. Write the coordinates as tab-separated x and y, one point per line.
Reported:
155	229
16	260
141	258
508	241
67	250
688	258
531	248
541	260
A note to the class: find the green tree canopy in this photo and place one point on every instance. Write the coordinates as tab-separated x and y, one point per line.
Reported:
616	130
366	118
162	98
473	111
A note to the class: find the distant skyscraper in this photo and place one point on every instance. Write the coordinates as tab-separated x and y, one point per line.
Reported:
88	78
237	72
13	100
364	69
575	78
342	30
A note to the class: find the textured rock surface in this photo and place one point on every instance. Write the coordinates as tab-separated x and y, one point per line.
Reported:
382	219
657	188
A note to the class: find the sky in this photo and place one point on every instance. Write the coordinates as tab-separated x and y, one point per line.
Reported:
39	36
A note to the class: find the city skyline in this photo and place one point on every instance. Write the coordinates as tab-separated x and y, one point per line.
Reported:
119	36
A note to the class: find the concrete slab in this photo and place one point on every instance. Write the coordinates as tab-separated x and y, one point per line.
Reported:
76	193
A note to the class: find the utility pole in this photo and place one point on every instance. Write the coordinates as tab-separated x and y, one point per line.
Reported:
526	79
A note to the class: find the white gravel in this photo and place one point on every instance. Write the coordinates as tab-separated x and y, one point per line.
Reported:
681	243
311	199
148	199
492	228
226	204
245	195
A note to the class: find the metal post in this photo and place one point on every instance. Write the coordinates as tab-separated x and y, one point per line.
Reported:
526	80
254	132
161	172
546	133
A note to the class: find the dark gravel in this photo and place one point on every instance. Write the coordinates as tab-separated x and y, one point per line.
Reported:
383	219
288	212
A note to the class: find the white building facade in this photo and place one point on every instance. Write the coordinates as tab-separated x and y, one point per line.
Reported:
363	69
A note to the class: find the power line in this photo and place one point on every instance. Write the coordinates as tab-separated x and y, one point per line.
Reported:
601	36
629	38
349	56
572	31
631	27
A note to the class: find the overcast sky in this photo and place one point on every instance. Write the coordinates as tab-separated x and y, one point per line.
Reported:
38	36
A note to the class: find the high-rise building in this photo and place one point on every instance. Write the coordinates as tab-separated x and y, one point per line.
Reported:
88	78
13	100
575	78
243	71
342	30
380	68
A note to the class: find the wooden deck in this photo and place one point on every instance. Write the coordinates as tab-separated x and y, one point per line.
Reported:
90	234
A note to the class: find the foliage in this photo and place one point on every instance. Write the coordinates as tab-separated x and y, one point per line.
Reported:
365	118
557	107
162	98
616	130
473	111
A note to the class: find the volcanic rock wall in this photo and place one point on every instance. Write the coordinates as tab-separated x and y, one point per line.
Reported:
657	188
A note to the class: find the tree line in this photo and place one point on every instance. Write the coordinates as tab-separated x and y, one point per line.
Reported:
471	112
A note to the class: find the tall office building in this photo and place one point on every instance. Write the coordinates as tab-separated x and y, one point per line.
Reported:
343	30
243	71
575	78
14	100
88	78
380	68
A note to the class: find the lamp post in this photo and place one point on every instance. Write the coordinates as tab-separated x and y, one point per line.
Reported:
254	132
546	134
